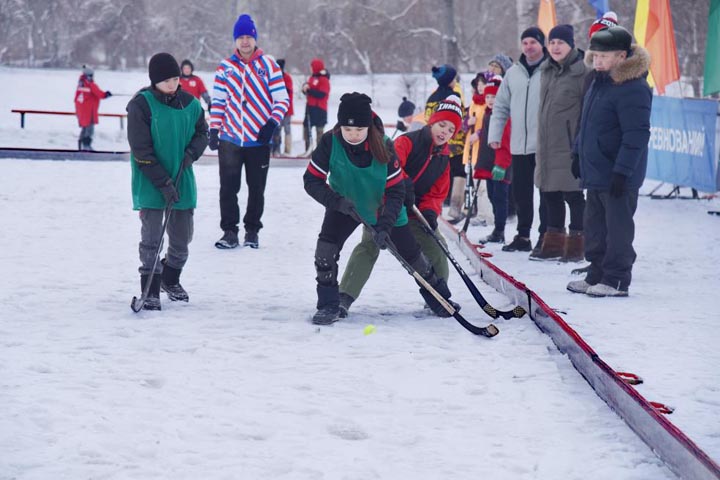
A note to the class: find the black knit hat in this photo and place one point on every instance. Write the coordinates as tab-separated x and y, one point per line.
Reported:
162	66
444	74
355	110
406	108
611	40
564	32
534	32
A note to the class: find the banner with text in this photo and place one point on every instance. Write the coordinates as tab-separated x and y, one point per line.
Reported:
682	148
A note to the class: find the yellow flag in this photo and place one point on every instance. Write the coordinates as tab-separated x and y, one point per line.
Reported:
546	16
642	11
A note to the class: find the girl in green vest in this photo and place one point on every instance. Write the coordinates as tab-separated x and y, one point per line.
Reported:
354	173
166	130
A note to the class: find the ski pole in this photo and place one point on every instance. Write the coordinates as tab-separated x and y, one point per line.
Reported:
488	331
137	303
516	312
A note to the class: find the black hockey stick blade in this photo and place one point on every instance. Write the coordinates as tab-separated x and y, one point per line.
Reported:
516	312
488	331
137	303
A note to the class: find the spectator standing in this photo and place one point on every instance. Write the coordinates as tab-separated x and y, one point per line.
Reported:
317	90
610	157
561	92
518	99
87	103
285	126
249	103
193	84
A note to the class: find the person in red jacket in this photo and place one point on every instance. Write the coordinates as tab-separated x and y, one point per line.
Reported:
87	103
317	90
192	83
494	165
285	125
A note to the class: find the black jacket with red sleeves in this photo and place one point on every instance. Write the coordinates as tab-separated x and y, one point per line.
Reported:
427	166
315	178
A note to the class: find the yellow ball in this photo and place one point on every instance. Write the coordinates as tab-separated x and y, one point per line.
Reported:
369	329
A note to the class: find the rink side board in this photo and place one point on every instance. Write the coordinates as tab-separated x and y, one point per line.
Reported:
667	441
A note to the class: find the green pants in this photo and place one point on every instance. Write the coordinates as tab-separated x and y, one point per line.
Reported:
365	254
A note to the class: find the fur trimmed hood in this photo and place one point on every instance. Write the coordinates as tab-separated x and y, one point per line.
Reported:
635	66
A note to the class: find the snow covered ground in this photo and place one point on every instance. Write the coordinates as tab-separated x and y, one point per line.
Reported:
239	384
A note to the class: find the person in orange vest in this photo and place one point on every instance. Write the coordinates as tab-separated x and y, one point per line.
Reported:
87	103
191	83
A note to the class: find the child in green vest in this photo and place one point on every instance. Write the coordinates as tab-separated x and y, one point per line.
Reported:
424	156
355	173
166	132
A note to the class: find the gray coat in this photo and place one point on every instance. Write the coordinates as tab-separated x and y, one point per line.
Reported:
561	96
517	100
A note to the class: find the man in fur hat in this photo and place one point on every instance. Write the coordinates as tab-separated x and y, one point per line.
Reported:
610	157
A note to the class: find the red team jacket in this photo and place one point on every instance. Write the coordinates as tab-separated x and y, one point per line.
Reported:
87	101
320	83
193	85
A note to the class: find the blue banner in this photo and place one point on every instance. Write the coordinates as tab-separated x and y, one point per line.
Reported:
682	148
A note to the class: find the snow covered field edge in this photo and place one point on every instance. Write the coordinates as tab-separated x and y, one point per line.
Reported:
667	441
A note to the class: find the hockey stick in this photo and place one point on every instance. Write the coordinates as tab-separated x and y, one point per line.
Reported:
137	303
516	312
488	331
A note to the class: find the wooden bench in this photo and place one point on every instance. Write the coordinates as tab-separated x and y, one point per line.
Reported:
23	112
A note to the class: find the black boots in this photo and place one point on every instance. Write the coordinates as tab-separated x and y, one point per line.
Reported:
170	284
251	239
426	271
228	240
153	299
328	307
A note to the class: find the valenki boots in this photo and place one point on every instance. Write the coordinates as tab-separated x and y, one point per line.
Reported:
574	250
288	144
553	245
457	198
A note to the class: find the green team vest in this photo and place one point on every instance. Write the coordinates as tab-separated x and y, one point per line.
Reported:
364	186
171	129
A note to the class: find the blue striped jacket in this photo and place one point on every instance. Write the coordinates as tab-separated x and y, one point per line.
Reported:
245	96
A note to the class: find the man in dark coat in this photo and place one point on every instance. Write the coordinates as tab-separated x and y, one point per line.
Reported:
610	157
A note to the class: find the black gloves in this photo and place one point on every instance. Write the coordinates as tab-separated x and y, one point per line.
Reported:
169	192
400	126
431	218
266	132
346	207
617	185
409	195
188	160
108	94
381	237
213	140
575	166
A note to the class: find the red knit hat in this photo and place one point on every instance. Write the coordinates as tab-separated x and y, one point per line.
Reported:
448	109
493	85
609	19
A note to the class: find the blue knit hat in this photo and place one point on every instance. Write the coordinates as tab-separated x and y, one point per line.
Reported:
244	26
444	74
